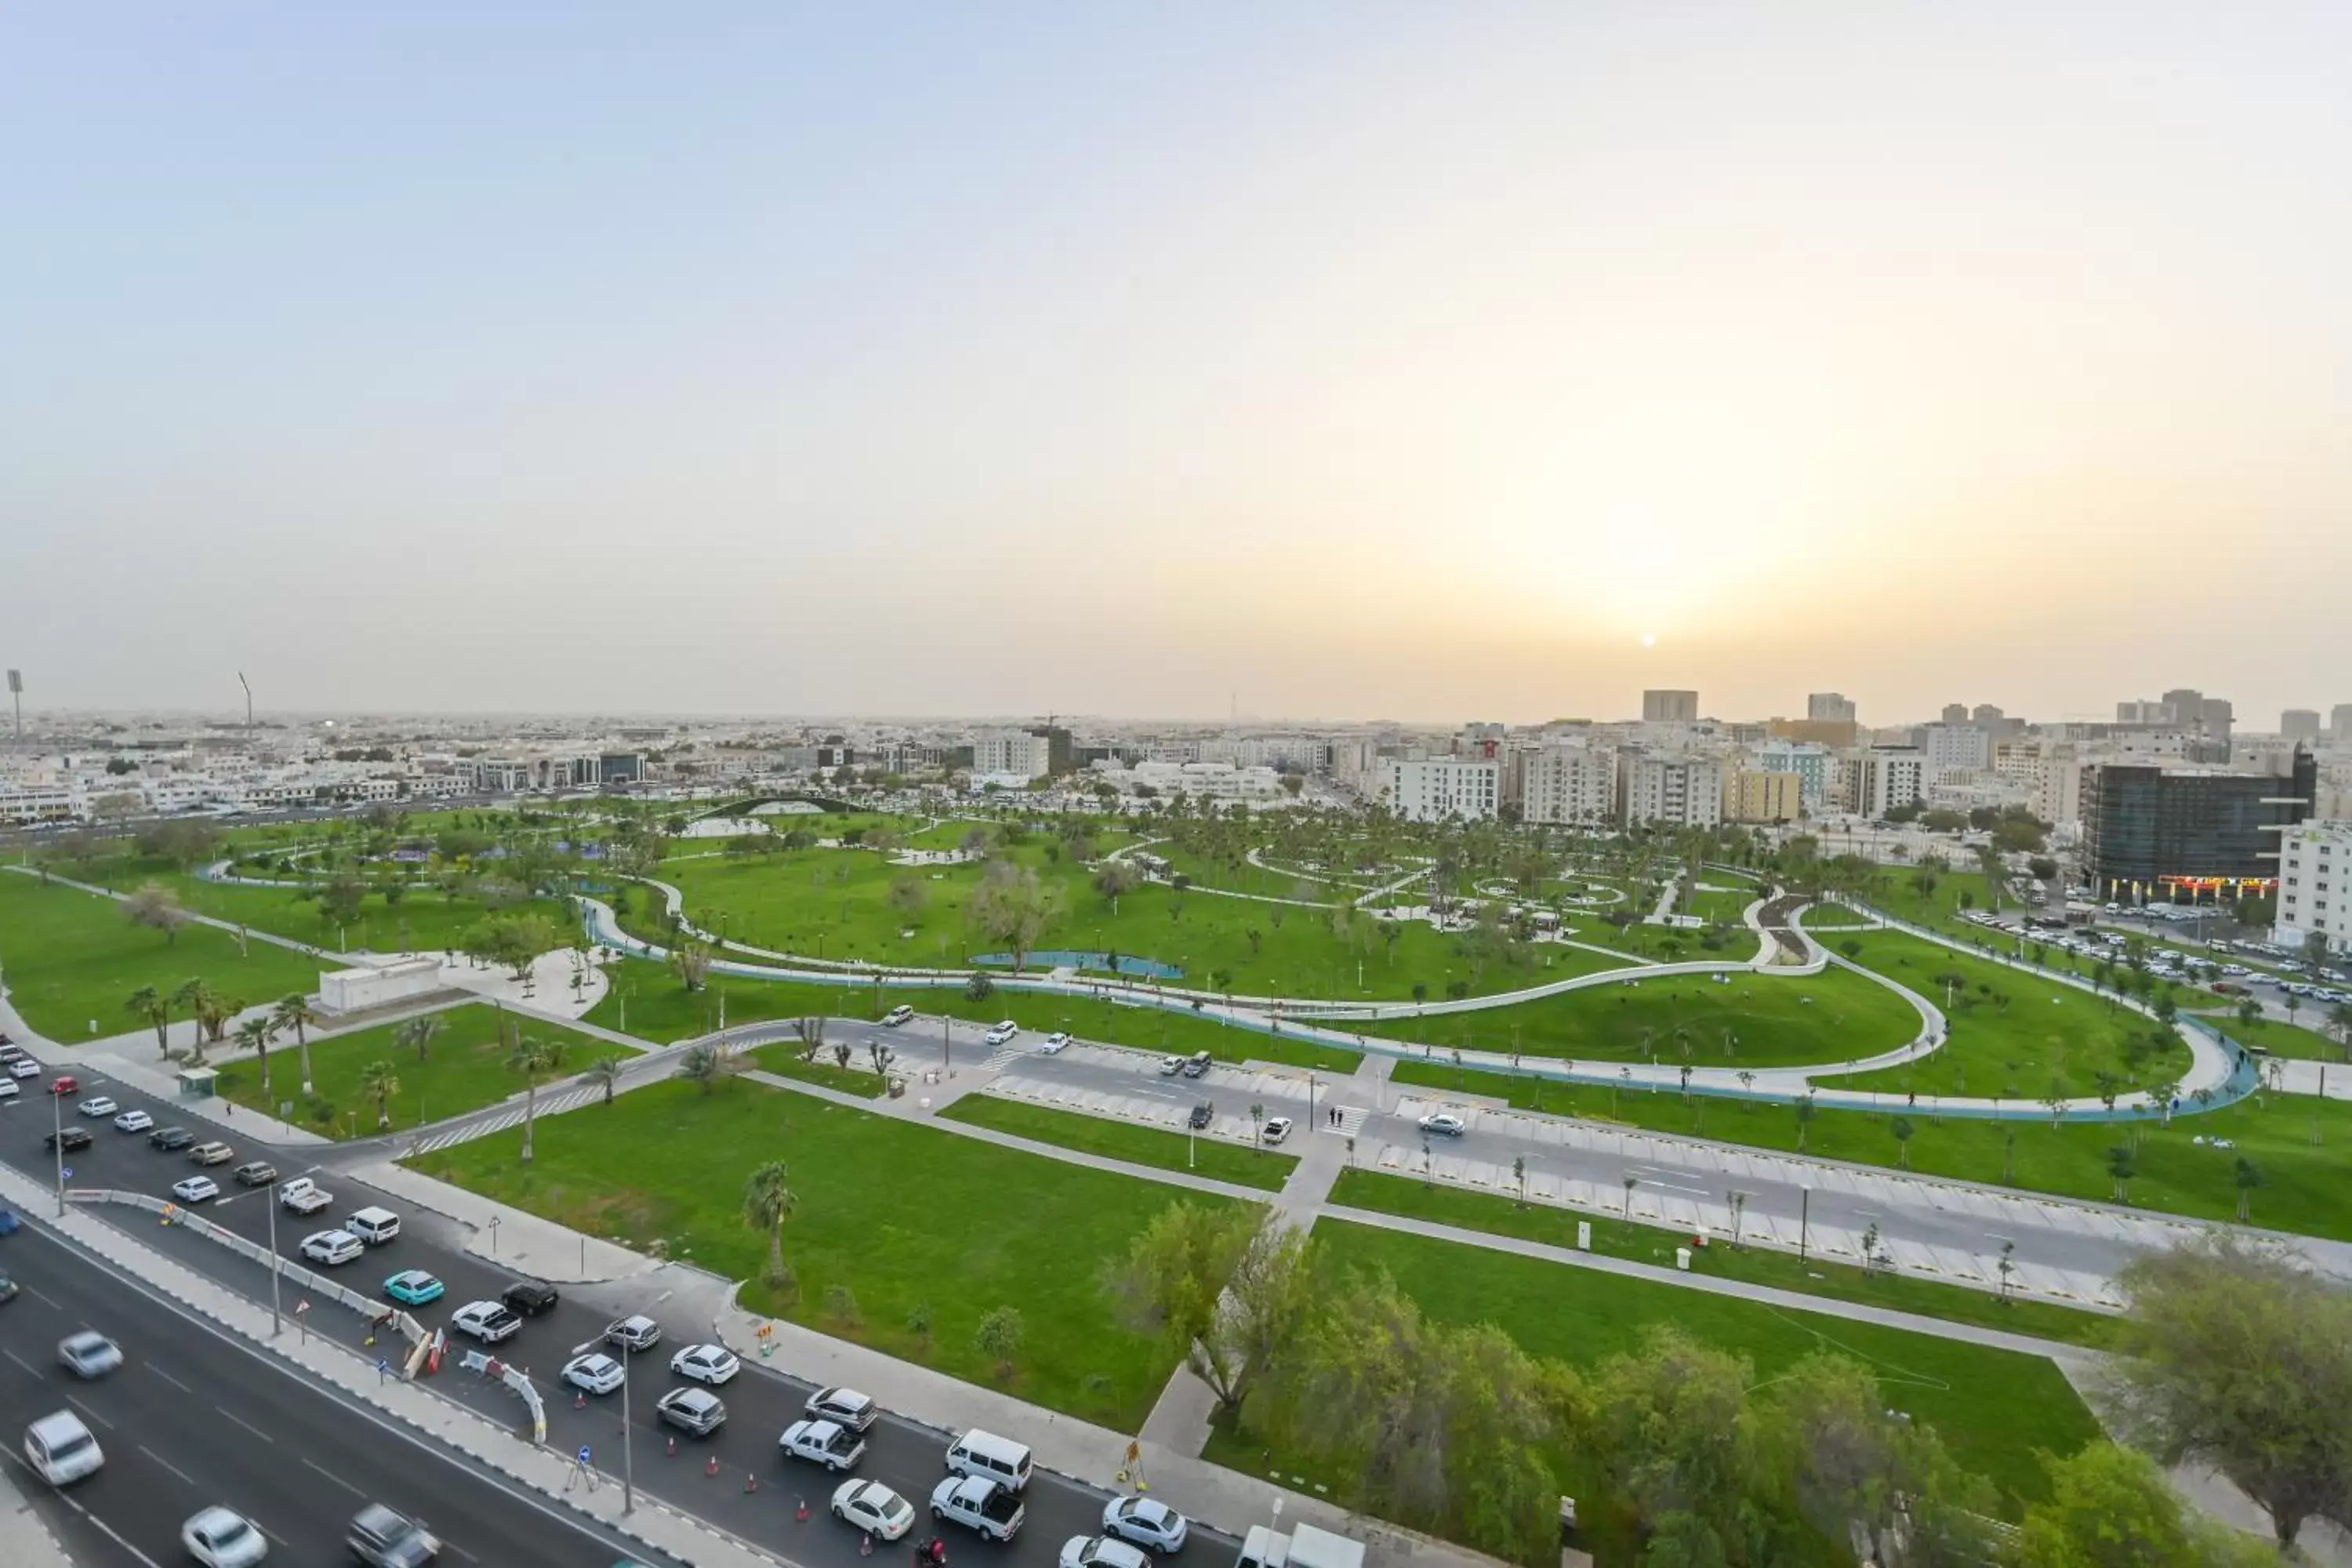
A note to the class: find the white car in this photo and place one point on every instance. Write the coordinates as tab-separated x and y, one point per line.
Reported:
826	1443
896	1015
595	1374
1445	1123
133	1121
1102	1551
332	1247
1002	1033
713	1364
873	1507
61	1450
1055	1044
24	1067
9	1090
195	1189
488	1321
1145	1521
844	1406
89	1355
219	1539
1277	1128
634	1334
97	1105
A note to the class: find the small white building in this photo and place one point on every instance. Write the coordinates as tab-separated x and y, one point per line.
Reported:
1431	789
379	984
2314	884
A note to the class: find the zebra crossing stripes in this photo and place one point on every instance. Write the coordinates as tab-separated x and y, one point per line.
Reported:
468	1132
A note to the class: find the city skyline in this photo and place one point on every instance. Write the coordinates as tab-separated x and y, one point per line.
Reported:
1376	363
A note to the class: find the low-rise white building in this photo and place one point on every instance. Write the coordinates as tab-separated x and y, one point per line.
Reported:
1012	753
2314	884
1563	785
1431	789
1879	779
1672	791
1215	781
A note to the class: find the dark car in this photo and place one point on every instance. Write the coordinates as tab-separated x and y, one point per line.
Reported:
170	1138
256	1173
7	1288
381	1538
1201	1115
71	1138
529	1299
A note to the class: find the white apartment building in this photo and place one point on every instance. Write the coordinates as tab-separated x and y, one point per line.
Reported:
1881	778
1563	785
2049	772
1955	749
1431	789
1672	791
1217	781
2315	884
1810	762
1014	753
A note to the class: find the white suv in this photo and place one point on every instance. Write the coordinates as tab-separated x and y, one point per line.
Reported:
1002	1033
332	1247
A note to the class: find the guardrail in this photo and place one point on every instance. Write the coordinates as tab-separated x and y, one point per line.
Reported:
489	1365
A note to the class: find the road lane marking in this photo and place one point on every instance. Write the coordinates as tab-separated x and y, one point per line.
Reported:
461	1552
336	1479
20	1361
40	1297
167	1377
248	1425
165	1463
74	1503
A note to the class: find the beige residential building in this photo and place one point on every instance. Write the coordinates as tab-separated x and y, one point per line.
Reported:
1750	796
1563	785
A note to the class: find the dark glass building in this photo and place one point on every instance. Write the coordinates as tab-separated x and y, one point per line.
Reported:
2160	833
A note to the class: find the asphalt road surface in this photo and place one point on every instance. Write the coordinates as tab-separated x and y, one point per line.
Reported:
902	1452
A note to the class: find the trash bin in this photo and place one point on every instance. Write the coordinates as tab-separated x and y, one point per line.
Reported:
1682	1258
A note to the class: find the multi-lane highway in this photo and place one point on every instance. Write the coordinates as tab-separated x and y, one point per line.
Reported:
760	1402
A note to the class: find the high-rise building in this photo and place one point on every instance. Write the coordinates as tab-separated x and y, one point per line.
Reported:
1880	779
2315	884
1672	791
1670	707
1432	789
1833	706
2299	724
2154	832
1762	797
1563	785
1954	749
1986	714
1020	754
1955	713
2339	723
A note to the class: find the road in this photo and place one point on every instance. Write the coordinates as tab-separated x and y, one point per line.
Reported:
191	1420
903	1453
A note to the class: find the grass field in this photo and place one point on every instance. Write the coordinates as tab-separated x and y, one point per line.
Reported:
70	957
966	1228
463	1069
1648	1244
2303	1181
2299	1041
784	1060
1773	1020
1223	1162
2012	1033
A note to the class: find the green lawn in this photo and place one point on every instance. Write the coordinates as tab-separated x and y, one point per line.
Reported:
1266	1168
1774	1020
70	957
463	1069
2013	1033
2301	1041
1892	1289
970	1227
1993	1408
2303	1187
784	1060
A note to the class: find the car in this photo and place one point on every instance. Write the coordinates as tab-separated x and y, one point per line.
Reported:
255	1174
96	1106
596	1373
332	1247
213	1154
65	1083
989	1507
826	1443
844	1406
1197	1064
698	1410
485	1321
382	1538
1445	1123
1170	1065
1002	1033
61	1450
896	1015
129	1120
1102	1551
9	1090
1055	1044
1276	1130
1145	1521
634	1334
713	1364
219	1539
1202	1115
303	1195
24	1067
873	1507
530	1298
67	1138
170	1140
195	1190
414	1288
89	1355
7	1288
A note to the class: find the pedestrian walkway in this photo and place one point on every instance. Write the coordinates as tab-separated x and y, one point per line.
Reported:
482	1127
29	1542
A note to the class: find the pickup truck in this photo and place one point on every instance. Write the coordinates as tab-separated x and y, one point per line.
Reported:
304	1195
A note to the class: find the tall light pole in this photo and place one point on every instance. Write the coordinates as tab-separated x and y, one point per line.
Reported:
1804	1219
277	1265
628	1451
248	703
57	1141
17	693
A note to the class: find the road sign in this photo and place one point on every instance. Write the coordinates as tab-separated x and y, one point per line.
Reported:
583	1453
65	1172
382	1366
301	1307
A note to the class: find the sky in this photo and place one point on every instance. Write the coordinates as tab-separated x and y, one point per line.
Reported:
1428	362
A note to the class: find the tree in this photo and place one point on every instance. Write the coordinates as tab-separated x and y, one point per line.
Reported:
604	1073
511	940
1113	880
978	988
2122	1166
2110	1507
294	1012
690	962
379	1081
1168	1283
255	1033
1013	909
1902	1129
707	1066
416	1035
999	1338
1803	1107
2248	1177
155	1008
340	897
2237	1359
157	908
908	898
1675	1446
769	1201
532	1057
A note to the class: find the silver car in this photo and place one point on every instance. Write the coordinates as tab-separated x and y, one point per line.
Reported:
89	1355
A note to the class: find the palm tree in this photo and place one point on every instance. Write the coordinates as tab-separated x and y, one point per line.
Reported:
379	1081
155	1007
207	1010
604	1073
532	1057
768	1202
419	1032
294	1012
255	1033
708	1065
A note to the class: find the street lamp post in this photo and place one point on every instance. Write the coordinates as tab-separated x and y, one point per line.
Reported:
1804	1219
275	1265
57	1142
628	1450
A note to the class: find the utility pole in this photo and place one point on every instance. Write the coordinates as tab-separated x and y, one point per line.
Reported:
248	703
17	693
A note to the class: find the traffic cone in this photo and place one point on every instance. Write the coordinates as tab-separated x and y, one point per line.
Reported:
579	1400
801	1513
711	1468
673	1448
750	1482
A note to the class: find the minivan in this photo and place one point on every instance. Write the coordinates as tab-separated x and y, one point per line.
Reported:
61	1449
897	1016
375	1227
1000	1459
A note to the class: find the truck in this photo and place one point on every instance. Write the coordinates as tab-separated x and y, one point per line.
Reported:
304	1195
1303	1547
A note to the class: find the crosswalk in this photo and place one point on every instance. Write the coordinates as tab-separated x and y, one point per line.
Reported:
554	1105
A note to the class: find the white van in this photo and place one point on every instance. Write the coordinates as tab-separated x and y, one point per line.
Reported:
1000	1459
375	1227
61	1450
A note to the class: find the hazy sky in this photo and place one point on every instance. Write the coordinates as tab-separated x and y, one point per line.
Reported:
1411	361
